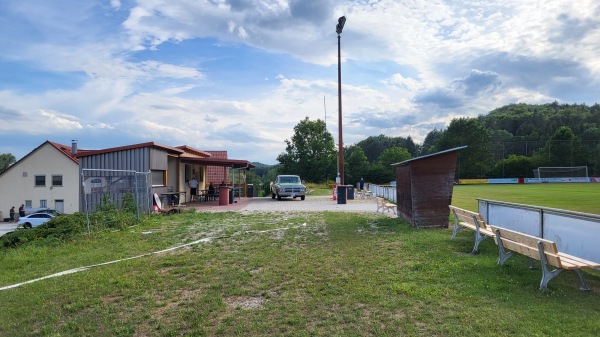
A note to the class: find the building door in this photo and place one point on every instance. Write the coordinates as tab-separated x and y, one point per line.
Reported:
59	206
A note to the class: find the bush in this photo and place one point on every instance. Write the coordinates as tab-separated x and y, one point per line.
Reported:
109	216
58	229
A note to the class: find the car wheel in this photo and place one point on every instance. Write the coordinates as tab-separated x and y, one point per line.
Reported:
278	197
27	225
302	197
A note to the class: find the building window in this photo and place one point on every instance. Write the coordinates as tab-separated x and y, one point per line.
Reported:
187	173
28	203
40	181
43	204
57	180
158	178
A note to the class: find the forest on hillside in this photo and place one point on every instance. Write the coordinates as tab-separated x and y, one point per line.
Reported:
508	142
513	140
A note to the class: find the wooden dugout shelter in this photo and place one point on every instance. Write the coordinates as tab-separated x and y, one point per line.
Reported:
424	188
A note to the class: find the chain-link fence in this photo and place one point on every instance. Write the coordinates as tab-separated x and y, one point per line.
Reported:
559	153
116	195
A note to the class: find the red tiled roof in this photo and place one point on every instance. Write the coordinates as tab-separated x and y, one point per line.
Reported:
65	149
192	150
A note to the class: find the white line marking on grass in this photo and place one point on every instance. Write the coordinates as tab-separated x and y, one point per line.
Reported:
76	270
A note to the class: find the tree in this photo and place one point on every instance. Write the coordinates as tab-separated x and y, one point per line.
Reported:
393	155
477	158
564	148
6	160
357	165
388	157
374	146
513	167
310	153
430	142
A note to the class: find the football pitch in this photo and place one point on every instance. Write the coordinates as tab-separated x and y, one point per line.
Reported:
568	196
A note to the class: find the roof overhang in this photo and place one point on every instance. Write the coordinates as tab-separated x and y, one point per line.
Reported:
234	163
406	162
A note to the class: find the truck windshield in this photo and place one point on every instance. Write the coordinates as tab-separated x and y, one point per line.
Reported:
290	180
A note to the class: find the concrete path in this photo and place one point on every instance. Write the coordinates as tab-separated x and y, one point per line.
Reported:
267	204
7	227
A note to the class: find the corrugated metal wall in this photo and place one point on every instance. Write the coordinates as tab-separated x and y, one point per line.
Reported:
139	160
133	159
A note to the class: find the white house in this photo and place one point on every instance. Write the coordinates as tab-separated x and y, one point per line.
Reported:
46	177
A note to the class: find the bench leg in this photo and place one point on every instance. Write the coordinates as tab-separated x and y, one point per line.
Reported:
503	254
582	285
478	239
456	226
547	274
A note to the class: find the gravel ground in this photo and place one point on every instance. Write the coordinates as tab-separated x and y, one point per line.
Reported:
310	204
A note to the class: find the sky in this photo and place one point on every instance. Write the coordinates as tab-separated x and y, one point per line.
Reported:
238	75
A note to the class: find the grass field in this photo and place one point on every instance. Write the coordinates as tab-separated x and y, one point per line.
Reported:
574	197
301	274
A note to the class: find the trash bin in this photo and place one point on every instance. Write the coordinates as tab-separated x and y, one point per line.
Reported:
341	194
231	196
250	191
350	192
223	195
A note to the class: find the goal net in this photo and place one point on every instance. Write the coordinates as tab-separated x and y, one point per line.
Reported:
561	172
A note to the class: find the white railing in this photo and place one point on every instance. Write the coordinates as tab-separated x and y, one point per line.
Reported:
574	233
386	191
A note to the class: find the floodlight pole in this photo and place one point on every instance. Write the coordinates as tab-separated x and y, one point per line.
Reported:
338	29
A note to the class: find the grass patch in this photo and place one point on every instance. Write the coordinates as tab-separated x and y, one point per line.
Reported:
300	274
574	197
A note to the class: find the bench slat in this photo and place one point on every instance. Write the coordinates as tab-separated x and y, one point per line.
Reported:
573	262
532	252
466	219
526	239
527	245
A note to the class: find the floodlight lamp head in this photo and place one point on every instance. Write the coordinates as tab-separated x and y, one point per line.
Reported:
340	25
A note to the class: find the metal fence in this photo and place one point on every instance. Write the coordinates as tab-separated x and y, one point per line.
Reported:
117	190
385	191
564	153
574	233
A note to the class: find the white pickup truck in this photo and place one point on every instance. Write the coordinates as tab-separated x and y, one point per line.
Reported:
288	186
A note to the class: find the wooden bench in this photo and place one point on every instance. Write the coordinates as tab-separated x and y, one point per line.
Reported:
385	206
471	220
545	251
365	194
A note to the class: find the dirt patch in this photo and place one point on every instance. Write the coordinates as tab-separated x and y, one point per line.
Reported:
245	302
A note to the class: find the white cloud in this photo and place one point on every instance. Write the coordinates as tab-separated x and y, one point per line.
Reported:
116	4
408	66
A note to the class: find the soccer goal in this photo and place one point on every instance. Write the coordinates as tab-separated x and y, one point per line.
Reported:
561	172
